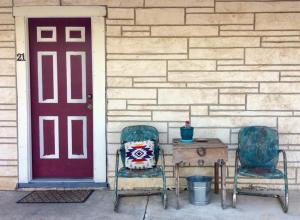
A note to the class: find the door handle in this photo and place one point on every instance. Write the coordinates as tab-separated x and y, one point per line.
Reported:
89	106
90	96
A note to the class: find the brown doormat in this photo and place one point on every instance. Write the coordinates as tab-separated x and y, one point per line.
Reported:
57	196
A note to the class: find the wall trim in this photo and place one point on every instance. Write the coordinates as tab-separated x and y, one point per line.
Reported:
96	13
59	11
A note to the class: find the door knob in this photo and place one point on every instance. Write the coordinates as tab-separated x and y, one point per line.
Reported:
89	106
90	96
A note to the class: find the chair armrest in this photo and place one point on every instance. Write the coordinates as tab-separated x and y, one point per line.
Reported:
162	158
284	161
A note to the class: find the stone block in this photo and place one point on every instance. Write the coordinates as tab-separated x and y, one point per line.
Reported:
8	171
199	110
230	121
156	16
8	95
120	13
199	10
184	65
119	82
119	22
6	3
289	125
136	34
146	45
146	56
8	115
129	118
131	93
280	87
238	7
8	152
7	81
35	2
234	76
7	53
136	28
8	132
129	113
220	53
219	19
160	85
225	42
237	27
232	99
7	67
277	21
8	183
109	3
7	35
272	56
136	68
170	115
259	33
118	126
179	3
184	31
187	96
150	79
116	104
158	107
273	102
113	30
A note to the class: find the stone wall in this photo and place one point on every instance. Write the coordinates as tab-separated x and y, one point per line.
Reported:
221	64
8	116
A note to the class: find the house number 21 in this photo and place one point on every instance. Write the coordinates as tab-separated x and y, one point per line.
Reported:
20	57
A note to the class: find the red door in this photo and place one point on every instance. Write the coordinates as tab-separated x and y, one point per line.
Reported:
61	97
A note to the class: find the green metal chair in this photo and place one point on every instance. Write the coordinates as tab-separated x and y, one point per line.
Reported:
258	153
140	133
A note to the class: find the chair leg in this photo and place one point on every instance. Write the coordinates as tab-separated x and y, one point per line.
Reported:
164	192
285	204
117	197
235	191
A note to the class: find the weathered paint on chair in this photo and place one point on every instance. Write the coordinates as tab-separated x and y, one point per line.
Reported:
140	133
258	153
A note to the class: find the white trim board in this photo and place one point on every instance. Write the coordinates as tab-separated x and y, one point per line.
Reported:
59	11
96	13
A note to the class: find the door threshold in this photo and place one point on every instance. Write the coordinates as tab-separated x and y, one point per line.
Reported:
62	184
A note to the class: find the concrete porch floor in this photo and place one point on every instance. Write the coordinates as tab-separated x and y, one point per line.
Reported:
99	206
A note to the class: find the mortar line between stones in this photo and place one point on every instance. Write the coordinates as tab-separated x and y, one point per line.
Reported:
145	212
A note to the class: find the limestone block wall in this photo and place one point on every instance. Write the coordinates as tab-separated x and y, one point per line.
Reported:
221	64
8	124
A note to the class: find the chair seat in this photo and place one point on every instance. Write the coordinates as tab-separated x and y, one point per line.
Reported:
261	173
145	173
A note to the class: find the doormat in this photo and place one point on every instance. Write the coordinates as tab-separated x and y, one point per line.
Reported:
57	196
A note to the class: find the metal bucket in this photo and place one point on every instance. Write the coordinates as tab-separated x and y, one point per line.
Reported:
199	189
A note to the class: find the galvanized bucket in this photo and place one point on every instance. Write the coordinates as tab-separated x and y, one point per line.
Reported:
199	189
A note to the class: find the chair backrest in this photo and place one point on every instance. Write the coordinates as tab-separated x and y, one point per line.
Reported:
258	147
139	133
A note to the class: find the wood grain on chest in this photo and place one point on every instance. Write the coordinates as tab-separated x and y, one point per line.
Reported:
207	150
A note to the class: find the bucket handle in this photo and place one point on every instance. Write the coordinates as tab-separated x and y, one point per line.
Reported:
201	152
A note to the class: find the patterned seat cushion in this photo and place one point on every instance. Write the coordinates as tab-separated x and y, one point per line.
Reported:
139	155
261	173
146	173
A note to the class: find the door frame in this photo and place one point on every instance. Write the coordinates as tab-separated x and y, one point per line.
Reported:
97	15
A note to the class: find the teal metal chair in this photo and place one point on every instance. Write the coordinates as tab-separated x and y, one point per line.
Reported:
258	153
140	133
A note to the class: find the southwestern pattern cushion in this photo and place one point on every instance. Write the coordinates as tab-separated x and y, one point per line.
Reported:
139	155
